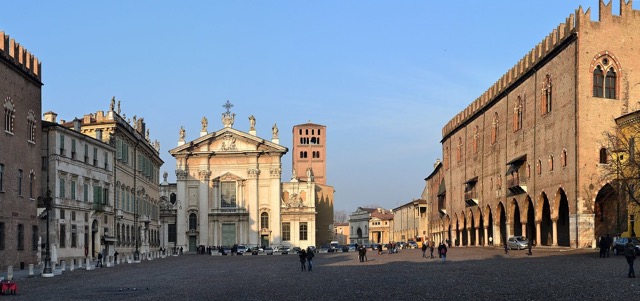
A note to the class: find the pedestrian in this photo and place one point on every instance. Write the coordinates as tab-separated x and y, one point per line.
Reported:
379	249
424	250
99	263
310	255
603	245
303	259
361	251
529	245
432	246
630	254
442	250
609	243
506	248
115	257
364	254
491	240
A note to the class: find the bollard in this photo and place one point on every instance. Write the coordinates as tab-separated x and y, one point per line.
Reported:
88	264
72	265
63	265
10	273
53	268
30	270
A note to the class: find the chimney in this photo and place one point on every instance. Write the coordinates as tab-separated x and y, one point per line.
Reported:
50	116
76	125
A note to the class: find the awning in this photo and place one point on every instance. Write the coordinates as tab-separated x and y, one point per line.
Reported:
442	189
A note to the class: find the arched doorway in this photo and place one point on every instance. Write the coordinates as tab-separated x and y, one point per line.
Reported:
490	226
472	239
95	239
458	238
481	229
563	220
516	225
610	215
465	232
531	223
545	223
503	224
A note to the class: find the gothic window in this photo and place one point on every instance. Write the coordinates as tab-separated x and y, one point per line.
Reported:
563	158
517	115
603	156
528	170
547	94
264	220
494	129
605	78
9	115
31	125
228	194
550	162
193	221
539	167
475	140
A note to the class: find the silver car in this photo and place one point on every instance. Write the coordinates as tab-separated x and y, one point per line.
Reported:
517	242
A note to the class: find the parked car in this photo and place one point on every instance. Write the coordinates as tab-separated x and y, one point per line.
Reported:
268	250
619	245
345	248
352	247
256	250
241	249
517	242
312	248
324	249
226	250
374	247
412	244
295	250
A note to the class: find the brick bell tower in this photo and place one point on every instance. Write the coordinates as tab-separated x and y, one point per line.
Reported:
309	151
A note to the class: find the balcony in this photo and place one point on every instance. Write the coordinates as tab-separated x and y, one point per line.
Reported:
99	207
228	211
471	197
515	184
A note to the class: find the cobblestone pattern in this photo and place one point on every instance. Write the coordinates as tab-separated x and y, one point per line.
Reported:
469	273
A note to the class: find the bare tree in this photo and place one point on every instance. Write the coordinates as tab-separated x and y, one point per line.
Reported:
620	162
340	216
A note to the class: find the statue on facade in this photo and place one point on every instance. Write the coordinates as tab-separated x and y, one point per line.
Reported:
147	136
182	133
113	103
118	107
252	123
165	175
274	131
204	122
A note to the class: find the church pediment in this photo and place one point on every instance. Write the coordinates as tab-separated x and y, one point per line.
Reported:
228	140
228	176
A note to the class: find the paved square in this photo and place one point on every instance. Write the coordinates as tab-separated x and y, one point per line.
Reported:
469	274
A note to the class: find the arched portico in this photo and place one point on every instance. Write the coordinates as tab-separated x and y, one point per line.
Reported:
503	224
610	213
516	224
489	225
545	235
562	220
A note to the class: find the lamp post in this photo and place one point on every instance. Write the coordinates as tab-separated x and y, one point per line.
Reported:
47	272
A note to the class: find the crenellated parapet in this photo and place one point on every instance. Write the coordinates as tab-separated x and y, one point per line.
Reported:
581	20
20	57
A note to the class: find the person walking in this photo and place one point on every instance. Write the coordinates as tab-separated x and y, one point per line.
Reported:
506	248
442	249
303	259
99	263
424	250
432	245
310	254
609	242
529	245
603	246
630	254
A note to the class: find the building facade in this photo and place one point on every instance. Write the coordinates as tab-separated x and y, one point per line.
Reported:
136	176
371	225
341	233
79	174
20	165
410	222
228	187
523	158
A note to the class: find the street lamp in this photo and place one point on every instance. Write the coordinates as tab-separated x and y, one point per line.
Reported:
47	272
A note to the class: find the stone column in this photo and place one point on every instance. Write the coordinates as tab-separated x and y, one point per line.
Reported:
555	232
486	235
477	236
524	230
469	236
538	232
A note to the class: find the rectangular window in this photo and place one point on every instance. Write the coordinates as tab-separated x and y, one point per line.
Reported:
31	176
172	233
1	236
73	215
105	196
97	195
228	194
61	145
286	231
106	160
74	236
73	148
45	163
20	237
73	189
19	181
34	238
1	176
303	230
85	192
95	156
62	214
62	190
63	236
86	154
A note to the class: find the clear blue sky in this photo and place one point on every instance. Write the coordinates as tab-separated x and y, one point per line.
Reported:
383	76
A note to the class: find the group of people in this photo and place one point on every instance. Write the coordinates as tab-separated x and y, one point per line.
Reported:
362	253
605	245
306	258
430	245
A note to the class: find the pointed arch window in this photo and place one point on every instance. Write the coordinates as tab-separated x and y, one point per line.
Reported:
539	167
605	77
598	82
610	84
563	158
9	115
517	115
494	129
547	95
31	126
550	162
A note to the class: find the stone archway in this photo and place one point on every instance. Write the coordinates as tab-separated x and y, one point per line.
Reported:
457	238
465	232
472	238
482	239
562	226
546	226
516	223
610	215
490	235
503	223
531	225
